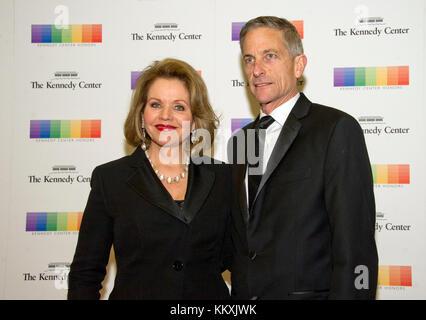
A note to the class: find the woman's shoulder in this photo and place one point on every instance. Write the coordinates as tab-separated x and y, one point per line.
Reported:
113	165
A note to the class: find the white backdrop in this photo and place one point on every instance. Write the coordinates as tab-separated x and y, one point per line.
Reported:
48	175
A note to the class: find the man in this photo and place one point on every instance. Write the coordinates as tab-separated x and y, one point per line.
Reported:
304	229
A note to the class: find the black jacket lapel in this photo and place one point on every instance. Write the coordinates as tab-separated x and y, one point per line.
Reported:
146	184
200	183
287	135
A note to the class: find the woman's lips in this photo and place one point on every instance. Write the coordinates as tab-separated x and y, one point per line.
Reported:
162	127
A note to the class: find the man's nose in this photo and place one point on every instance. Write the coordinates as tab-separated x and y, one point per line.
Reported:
258	69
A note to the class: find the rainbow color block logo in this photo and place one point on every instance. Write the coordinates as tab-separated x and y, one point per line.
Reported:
237	26
74	33
391	173
371	76
50	129
239	123
395	276
53	221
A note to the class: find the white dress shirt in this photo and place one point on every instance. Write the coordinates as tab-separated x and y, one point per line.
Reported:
280	115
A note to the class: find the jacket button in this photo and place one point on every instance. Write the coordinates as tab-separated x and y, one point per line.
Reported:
252	255
177	265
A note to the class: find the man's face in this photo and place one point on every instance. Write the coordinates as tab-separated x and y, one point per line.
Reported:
270	70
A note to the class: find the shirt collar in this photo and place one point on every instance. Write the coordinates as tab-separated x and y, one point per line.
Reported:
281	112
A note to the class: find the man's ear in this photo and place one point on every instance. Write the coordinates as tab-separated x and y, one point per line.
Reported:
299	65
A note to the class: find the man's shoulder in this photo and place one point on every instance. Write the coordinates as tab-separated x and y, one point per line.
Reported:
305	107
326	112
322	116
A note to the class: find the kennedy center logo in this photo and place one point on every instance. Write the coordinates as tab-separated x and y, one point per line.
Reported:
171	32
376	126
388	174
75	33
398	276
68	80
371	27
65	129
60	174
53	221
371	76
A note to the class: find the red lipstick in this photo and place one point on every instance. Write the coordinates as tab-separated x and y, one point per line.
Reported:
162	127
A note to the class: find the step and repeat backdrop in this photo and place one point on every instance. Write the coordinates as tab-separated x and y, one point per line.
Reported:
70	81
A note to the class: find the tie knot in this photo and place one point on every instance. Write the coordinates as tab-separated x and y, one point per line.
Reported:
264	122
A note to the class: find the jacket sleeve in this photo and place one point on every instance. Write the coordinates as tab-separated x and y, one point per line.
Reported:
350	205
93	247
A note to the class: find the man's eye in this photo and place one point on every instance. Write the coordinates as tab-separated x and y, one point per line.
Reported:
270	55
249	60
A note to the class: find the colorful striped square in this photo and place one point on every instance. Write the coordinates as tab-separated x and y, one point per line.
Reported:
53	221
237	124
237	26
371	76
391	173
50	129
75	33
399	276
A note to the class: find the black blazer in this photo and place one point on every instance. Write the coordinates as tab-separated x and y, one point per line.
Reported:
161	251
314	213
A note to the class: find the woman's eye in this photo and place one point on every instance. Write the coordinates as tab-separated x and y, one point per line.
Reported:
155	105
179	107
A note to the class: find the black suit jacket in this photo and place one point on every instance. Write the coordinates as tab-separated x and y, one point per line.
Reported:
314	214
161	251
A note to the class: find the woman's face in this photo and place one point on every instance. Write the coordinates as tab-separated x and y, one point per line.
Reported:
167	114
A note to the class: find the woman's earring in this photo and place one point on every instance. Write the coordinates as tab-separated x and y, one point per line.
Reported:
194	138
143	136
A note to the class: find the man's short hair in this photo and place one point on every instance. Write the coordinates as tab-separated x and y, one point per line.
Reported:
291	37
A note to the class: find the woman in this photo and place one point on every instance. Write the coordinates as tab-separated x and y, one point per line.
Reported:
166	216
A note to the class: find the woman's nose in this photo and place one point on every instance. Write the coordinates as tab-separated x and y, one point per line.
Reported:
166	113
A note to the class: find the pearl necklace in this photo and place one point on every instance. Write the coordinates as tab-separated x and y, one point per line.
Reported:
163	177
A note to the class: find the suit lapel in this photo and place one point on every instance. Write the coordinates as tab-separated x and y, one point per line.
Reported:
200	183
144	182
286	138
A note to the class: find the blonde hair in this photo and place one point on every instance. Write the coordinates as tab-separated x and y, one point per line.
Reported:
202	112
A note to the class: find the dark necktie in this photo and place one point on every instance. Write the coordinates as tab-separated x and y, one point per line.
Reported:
259	142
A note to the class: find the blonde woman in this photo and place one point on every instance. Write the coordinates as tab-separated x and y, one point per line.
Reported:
166	216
